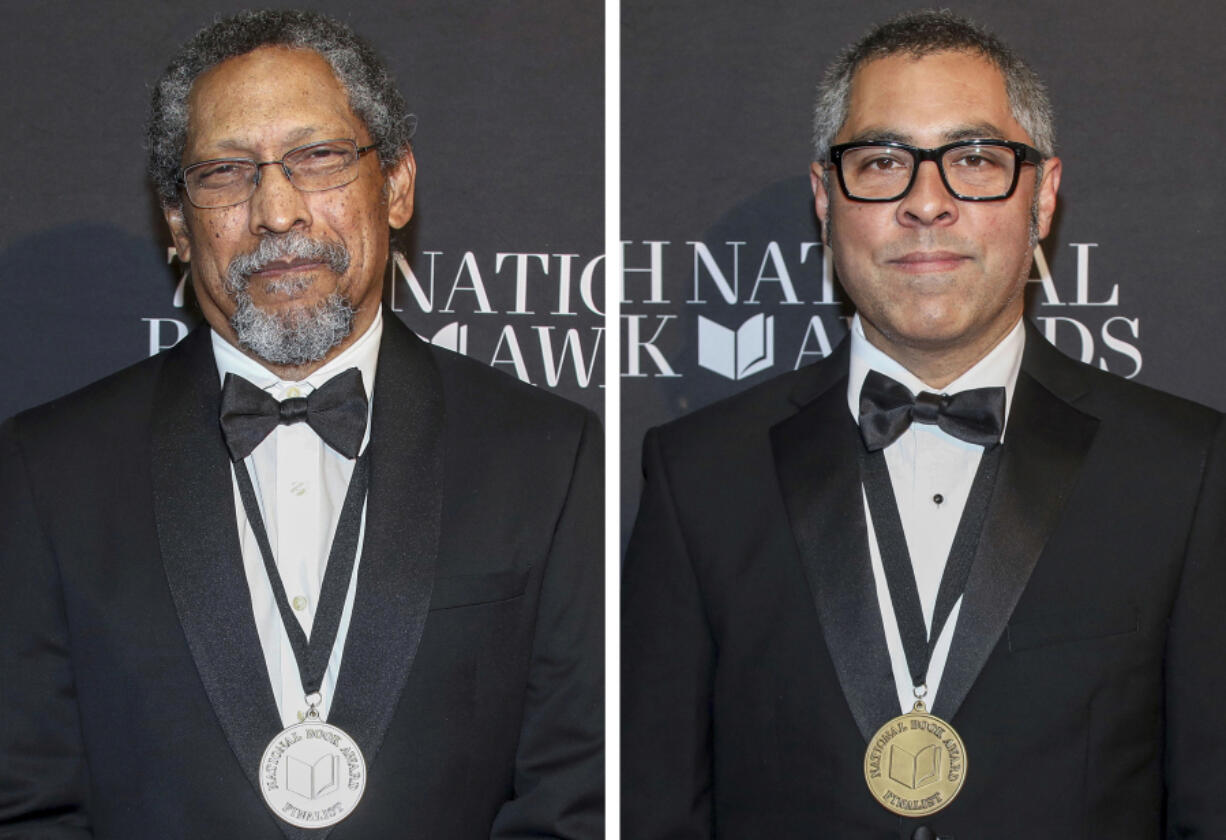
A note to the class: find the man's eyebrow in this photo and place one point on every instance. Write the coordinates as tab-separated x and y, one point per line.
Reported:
979	131
870	135
295	138
975	131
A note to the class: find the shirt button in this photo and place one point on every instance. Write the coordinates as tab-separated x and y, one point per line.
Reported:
299	602
293	391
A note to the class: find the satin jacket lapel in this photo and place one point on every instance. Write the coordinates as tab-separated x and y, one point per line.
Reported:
819	475
197	531
400	547
1046	441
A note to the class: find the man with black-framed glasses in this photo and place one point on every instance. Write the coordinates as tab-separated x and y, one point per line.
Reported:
952	584
283	580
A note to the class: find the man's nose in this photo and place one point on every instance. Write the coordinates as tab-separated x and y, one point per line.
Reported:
277	206
928	202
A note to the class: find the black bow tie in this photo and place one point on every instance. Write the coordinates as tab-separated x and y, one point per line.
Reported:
887	408
336	411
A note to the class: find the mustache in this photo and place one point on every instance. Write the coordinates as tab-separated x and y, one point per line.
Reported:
283	247
930	242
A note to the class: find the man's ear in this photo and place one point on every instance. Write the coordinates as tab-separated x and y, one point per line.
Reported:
401	179
1048	187
821	198
178	232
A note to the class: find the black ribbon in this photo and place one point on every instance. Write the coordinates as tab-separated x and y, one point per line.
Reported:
312	656
887	409
336	411
918	643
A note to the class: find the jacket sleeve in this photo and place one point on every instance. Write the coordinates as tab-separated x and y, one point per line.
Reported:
1196	668
668	665
559	762
43	785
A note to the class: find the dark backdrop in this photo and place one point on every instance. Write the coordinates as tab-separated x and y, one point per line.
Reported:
509	149
715	147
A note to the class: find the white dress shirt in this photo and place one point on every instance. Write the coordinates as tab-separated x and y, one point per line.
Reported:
931	473
300	483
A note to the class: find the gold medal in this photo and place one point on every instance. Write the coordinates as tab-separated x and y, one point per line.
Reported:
915	764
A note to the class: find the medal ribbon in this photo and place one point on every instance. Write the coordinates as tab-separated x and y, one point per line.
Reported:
917	642
312	656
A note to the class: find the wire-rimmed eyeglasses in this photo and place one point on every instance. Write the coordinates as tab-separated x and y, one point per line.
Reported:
225	182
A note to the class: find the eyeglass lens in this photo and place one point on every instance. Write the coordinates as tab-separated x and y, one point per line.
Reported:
319	166
882	172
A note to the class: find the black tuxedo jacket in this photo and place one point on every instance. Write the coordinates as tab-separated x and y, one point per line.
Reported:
1087	666
134	700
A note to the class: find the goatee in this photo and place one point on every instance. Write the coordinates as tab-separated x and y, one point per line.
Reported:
298	335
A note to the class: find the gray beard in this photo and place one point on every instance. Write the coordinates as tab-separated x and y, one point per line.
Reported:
300	335
296	337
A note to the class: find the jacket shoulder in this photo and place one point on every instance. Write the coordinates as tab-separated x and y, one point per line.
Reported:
482	401
727	425
1121	404
109	408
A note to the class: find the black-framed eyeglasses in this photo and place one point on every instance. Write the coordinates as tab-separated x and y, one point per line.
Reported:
225	182
972	170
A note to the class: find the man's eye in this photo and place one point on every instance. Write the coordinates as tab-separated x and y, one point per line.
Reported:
977	160
322	156
883	164
218	173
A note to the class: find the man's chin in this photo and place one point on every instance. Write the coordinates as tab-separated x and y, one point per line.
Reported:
290	307
947	335
295	332
291	288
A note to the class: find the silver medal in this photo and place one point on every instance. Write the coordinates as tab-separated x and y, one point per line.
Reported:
312	774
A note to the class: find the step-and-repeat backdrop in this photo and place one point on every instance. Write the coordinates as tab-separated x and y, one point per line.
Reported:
726	280
503	260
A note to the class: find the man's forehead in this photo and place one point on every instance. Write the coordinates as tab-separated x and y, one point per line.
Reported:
934	98
275	61
968	65
290	95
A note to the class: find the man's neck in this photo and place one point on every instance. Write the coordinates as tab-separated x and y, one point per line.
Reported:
937	366
355	350
297	373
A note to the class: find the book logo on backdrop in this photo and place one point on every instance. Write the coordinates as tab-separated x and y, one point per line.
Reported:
739	353
535	315
740	309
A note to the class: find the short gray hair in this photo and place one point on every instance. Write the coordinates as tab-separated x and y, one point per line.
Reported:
918	34
372	92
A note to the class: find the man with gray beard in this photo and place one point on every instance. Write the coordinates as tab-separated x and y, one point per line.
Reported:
283	580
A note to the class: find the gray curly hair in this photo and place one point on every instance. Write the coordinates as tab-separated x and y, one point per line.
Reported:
923	33
373	95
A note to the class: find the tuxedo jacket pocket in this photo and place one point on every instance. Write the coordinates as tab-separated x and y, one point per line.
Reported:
469	590
1117	620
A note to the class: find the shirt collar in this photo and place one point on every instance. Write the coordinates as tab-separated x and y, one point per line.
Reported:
998	368
362	354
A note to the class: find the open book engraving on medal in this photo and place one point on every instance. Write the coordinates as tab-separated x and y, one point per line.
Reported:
915	764
312	774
